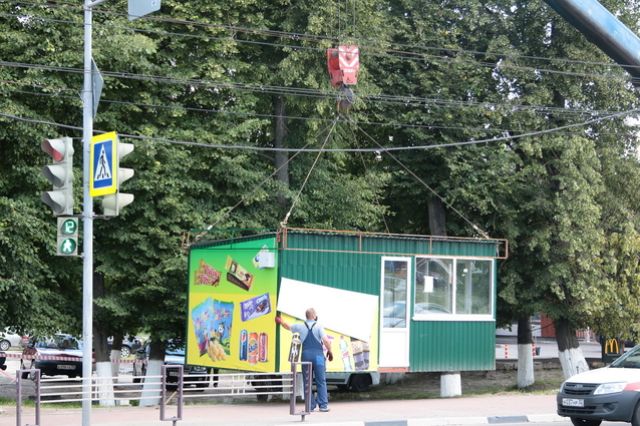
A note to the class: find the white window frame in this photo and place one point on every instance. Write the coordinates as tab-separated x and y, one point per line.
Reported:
454	316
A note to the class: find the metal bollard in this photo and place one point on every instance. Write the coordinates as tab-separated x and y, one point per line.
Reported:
307	389
163	394
36	375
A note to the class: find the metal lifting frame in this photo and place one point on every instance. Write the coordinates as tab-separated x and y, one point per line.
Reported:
604	30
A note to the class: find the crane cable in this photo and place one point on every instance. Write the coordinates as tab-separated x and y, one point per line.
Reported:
244	198
283	224
482	233
376	199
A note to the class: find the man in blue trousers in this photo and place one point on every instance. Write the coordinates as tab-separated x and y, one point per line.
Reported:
313	337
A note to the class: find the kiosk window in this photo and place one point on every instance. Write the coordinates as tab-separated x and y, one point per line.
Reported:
473	287
451	286
434	286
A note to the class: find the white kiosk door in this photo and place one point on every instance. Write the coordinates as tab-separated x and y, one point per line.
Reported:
394	312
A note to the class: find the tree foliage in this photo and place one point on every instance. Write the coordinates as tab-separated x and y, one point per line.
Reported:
194	88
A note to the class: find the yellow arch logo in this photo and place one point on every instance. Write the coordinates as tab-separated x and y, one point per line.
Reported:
611	346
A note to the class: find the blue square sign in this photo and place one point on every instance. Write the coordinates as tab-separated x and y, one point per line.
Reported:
102	176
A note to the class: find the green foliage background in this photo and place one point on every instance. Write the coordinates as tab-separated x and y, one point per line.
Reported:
433	73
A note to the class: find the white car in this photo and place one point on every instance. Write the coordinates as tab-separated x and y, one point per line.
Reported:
8	340
611	393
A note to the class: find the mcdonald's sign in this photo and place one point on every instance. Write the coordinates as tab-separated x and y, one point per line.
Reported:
611	349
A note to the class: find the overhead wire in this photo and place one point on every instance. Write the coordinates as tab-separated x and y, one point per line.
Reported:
384	98
405	55
363	41
410	101
382	149
55	93
387	150
309	92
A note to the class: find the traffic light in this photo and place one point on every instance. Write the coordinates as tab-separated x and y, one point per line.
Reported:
60	174
113	203
67	236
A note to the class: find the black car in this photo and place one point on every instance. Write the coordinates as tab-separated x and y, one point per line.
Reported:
58	355
174	355
3	360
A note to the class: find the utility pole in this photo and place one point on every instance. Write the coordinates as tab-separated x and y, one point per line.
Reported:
87	215
136	9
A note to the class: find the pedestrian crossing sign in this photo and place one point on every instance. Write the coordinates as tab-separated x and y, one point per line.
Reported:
103	170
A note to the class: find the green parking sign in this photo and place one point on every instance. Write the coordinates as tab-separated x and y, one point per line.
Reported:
67	236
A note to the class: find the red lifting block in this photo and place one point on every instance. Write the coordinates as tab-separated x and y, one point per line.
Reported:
343	64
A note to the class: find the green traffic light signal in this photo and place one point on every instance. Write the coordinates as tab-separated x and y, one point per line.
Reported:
67	243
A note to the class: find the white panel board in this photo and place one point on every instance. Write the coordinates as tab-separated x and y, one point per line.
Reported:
346	312
394	351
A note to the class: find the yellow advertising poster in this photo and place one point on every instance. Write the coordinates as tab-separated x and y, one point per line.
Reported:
231	305
349	354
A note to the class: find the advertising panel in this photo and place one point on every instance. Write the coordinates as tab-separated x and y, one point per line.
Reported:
231	305
350	354
349	318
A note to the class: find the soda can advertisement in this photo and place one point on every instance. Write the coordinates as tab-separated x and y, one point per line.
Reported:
244	345
253	348
263	347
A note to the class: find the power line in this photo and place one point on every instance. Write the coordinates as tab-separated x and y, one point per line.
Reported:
299	36
55	94
374	150
395	53
311	93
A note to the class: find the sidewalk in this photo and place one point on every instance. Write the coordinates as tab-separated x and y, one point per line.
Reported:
424	412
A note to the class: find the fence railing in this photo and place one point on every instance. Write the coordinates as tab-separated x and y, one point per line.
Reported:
171	388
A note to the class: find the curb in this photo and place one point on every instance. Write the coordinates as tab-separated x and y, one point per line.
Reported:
450	421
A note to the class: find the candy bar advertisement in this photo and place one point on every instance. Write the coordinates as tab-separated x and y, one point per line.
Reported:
231	315
349	353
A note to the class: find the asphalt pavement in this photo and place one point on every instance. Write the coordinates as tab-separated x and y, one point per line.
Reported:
451	411
465	410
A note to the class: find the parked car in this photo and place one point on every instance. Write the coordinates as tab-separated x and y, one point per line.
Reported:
9	339
174	355
3	360
610	393
129	345
60	354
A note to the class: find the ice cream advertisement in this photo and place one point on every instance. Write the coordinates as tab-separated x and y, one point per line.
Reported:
232	292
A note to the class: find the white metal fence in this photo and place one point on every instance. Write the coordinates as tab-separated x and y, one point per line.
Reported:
171	388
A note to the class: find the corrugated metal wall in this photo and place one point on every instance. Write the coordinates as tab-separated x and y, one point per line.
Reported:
452	346
347	271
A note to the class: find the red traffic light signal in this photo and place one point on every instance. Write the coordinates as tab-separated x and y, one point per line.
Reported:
55	148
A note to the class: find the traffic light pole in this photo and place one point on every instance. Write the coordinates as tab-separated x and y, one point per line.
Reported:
87	215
